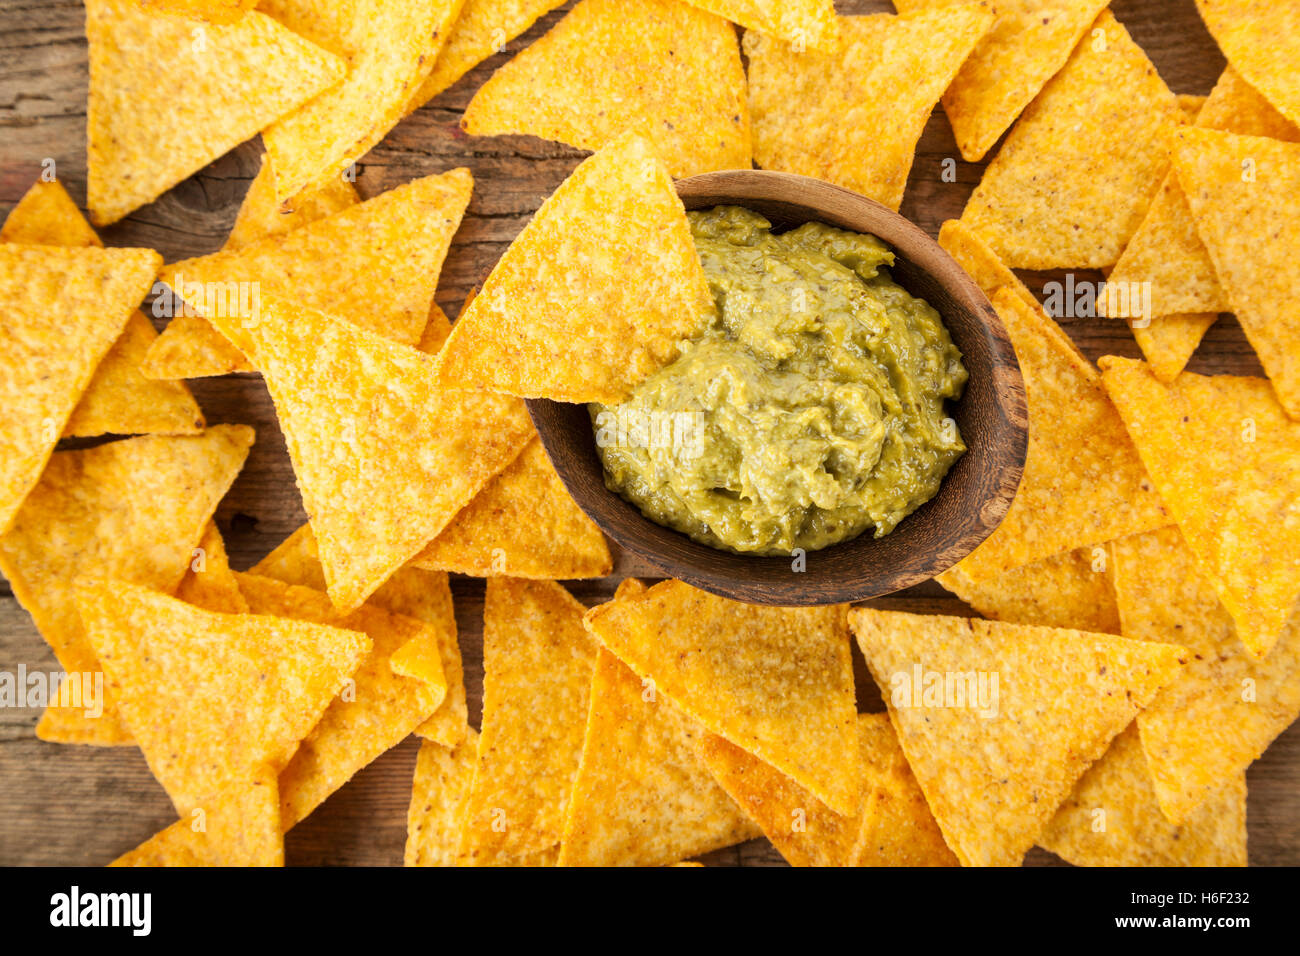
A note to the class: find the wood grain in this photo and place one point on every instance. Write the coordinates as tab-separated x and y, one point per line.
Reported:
79	805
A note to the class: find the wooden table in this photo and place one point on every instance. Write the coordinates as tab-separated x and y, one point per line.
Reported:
82	805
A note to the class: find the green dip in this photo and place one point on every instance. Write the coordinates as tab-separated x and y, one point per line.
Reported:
810	409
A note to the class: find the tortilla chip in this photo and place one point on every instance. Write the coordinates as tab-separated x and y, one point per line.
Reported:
543	327
522	524
483	28
642	797
996	759
383	456
208	582
179	845
260	215
213	11
390	47
1227	462
1168	341
1083	482
211	697
134	509
63	308
423	595
537	668
665	69
1073	179
1072	589
1202	731
379	708
168	96
1027	45
1112	819
375	264
1191	105
1233	207
776	682
436	819
119	399
435	332
853	117
1261	39
806	22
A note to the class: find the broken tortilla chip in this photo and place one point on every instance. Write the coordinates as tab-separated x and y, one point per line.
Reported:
1261	40
1073	179
806	22
999	720
776	682
435	821
1227	462
208	582
853	117
667	70
168	96
544	328
1112	818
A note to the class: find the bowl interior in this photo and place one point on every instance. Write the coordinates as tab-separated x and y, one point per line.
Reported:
972	498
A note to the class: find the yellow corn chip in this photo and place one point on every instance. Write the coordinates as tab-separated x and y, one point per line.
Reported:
1203	730
561	316
365	422
375	264
423	595
208	582
1242	188
1027	45
776	682
981	263
214	11
1169	341
211	697
667	70
47	216
1071	589
435	332
1191	104
1227	462
1261	39
1083	482
260	215
853	117
808	22
999	720
1073	179
522	524
390	47
1112	819
537	669
178	845
60	311
642	797
435	821
484	27
168	96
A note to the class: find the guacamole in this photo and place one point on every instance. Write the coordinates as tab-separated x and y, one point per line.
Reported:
810	409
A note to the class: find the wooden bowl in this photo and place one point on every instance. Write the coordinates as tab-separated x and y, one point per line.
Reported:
973	497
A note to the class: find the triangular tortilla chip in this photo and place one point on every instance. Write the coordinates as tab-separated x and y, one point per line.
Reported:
261	215
213	11
435	332
537	667
853	117
211	697
62	309
1227	462
375	264
365	422
168	96
1207	727
522	524
119	399
1073	179
435	821
1083	482
777	682
1168	341
999	720
667	70
561	316
1112	818
1261	39
642	797
808	22
1071	589
423	595
1028	43
1242	188
208	582
390	47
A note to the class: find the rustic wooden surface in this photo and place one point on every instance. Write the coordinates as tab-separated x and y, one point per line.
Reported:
81	805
